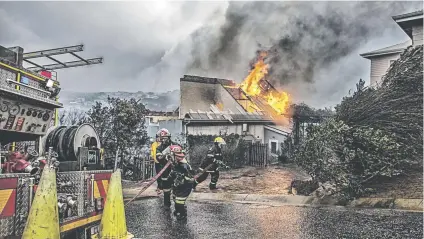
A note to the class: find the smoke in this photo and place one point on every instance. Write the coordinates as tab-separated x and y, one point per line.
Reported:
312	45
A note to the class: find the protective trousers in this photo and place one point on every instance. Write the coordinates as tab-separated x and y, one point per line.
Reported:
158	168
180	195
166	187
204	176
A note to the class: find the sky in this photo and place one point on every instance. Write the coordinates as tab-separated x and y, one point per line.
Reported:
149	46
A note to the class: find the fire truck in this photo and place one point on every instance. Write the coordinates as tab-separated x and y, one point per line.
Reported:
29	113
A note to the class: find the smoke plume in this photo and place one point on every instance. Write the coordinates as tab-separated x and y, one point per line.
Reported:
310	44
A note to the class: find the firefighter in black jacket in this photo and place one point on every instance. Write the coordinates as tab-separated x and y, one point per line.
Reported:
182	181
214	158
163	157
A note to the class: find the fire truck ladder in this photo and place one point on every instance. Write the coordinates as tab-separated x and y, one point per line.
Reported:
59	65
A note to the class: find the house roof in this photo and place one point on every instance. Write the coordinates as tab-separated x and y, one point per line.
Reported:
408	16
408	20
206	80
398	48
220	117
278	130
246	103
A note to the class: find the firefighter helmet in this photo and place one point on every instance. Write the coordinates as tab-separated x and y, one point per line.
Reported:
178	152
163	133
219	140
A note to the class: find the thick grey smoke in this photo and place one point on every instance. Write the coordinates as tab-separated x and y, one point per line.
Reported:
307	41
148	46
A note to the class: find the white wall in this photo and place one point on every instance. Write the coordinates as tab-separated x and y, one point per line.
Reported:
196	96
379	67
417	35
271	136
174	126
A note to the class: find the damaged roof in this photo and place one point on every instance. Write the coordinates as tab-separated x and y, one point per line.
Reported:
207	80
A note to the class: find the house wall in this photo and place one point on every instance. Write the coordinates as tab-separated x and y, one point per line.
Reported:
152	129
196	96
204	129
154	123
417	35
271	136
174	126
380	65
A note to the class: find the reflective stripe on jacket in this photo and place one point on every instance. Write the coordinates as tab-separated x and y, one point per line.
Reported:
153	151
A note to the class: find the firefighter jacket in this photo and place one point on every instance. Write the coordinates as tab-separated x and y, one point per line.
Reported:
213	154
153	151
159	156
182	174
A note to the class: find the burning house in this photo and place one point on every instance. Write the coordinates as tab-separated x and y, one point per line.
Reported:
253	109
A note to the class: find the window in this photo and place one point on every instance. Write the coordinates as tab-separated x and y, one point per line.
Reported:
273	144
245	127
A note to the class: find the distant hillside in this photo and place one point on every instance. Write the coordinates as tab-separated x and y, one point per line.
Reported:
168	101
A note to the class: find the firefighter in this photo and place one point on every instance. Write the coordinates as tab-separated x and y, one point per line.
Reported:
162	158
182	181
214	158
158	166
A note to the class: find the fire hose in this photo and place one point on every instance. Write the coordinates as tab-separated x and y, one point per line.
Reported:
161	172
150	182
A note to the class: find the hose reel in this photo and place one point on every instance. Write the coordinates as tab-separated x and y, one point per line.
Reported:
66	140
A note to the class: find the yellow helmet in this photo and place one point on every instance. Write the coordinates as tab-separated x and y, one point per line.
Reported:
219	140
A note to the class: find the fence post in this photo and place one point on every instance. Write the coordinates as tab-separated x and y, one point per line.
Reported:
266	156
143	167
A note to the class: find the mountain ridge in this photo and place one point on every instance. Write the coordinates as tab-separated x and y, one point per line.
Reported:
156	101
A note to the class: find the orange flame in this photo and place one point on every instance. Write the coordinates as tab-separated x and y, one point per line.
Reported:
250	85
279	101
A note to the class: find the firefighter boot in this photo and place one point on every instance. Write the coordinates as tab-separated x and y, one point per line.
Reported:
180	211
167	199
214	180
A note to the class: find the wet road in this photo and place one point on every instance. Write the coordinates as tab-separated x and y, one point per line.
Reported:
147	219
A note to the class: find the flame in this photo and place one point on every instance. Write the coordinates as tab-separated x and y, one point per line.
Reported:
279	101
250	85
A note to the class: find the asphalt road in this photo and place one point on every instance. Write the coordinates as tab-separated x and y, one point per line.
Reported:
148	219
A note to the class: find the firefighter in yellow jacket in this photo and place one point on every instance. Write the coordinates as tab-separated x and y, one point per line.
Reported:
158	166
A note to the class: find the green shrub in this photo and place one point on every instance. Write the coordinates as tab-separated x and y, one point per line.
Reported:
375	132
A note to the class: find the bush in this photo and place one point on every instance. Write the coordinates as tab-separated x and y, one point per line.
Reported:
375	132
348	157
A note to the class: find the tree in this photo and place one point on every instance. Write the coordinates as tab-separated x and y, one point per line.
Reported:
72	117
120	125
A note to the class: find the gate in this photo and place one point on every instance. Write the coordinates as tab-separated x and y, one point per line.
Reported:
145	169
141	168
257	155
